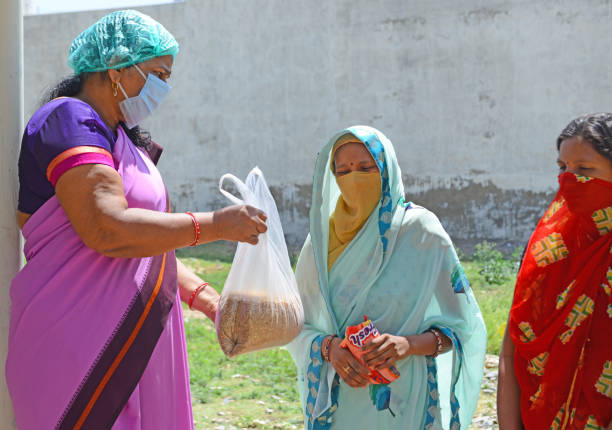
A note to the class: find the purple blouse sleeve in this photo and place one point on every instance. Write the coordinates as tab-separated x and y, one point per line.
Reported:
62	134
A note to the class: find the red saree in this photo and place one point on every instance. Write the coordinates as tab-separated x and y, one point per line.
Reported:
561	316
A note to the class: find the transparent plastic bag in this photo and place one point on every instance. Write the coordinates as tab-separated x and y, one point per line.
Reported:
260	306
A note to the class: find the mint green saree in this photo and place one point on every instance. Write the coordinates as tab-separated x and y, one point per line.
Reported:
401	271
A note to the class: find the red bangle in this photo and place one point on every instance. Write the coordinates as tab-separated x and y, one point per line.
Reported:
195	293
196	226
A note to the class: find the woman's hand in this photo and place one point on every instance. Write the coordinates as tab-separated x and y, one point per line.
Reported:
384	350
207	299
350	370
207	302
241	223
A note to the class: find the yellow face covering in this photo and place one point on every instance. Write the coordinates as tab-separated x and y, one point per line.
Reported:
361	192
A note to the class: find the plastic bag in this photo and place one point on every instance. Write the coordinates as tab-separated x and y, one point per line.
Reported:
260	306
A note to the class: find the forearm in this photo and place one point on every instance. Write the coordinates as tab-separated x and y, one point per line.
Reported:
427	344
93	199
135	232
207	298
384	350
508	390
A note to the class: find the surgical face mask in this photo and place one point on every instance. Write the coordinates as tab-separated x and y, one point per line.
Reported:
136	109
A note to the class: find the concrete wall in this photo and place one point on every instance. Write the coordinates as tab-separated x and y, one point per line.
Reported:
472	93
11	115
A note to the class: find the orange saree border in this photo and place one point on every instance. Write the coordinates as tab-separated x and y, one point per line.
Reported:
77	150
124	349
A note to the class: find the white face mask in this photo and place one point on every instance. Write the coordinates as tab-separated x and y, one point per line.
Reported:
136	109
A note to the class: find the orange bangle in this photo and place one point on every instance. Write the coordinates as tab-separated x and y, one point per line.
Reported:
196	226
195	293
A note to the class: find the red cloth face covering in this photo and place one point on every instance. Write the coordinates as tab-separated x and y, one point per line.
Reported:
561	316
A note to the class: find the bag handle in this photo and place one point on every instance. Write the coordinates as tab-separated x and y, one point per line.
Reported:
241	186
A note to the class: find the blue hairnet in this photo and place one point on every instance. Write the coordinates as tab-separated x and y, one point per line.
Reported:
120	39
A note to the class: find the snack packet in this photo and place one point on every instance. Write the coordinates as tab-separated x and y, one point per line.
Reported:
357	336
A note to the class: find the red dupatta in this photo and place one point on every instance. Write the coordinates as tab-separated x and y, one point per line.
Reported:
561	316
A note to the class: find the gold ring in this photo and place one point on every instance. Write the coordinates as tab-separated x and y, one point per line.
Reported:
346	369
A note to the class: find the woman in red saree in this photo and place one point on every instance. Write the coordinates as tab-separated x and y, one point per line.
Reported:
556	361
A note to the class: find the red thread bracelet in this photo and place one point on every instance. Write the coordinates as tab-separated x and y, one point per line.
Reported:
195	293
196	226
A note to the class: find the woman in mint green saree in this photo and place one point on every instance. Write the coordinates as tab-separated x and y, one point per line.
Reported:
371	253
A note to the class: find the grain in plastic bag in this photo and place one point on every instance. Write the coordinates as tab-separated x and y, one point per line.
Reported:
260	306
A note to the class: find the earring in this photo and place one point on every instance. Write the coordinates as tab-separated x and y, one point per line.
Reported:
115	86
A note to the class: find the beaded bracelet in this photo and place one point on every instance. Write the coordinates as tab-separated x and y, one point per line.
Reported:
436	333
196	226
195	293
325	347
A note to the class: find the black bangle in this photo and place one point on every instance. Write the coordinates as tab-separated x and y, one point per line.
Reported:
436	333
325	347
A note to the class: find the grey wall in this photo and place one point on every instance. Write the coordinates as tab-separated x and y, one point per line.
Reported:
472	93
11	120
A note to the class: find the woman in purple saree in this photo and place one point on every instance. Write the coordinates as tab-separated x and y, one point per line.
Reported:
96	332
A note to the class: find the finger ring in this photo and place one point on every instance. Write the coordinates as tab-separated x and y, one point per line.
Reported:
346	369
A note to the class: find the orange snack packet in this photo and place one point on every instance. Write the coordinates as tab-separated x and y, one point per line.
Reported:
357	336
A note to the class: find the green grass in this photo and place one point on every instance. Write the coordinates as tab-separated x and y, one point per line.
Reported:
258	390
255	390
492	276
494	301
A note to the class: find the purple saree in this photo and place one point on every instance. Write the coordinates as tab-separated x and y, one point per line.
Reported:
98	342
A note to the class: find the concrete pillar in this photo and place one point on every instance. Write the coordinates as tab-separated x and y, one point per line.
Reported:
11	127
